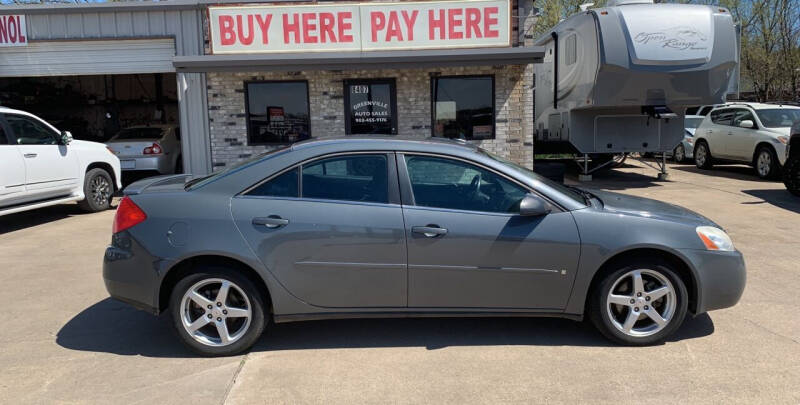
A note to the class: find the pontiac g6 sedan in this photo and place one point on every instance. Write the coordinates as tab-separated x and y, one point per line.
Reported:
348	228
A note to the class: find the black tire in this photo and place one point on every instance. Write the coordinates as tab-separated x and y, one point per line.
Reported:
769	170
258	310
702	156
600	317
675	154
791	175
98	189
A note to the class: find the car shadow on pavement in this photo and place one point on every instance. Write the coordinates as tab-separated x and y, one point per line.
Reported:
27	219
113	327
736	172
780	198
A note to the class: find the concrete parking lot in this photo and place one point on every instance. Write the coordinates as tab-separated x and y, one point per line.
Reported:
63	340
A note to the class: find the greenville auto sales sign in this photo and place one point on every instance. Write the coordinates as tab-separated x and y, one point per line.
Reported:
360	27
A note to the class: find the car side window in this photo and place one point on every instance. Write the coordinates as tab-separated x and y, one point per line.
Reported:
722	117
283	185
742	115
349	178
454	184
178	133
3	137
28	131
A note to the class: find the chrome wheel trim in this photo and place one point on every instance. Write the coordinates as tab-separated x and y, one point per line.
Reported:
764	163
641	303
679	155
700	154
100	189
209	320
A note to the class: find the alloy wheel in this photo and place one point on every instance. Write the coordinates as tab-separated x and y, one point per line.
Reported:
764	163
679	154
100	190
700	155
641	303
215	312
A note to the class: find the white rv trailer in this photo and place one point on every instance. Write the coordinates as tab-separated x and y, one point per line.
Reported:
618	79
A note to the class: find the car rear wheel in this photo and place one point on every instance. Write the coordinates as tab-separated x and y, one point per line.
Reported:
766	163
217	312
702	156
98	189
639	303
791	175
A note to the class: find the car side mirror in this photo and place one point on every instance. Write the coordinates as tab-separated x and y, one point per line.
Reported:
66	137
533	206
747	124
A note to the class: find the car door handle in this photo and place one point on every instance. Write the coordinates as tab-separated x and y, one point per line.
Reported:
430	231
30	155
272	221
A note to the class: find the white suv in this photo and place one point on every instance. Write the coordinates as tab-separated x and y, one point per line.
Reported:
41	166
752	133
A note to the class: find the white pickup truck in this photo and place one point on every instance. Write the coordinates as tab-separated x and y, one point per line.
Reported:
42	166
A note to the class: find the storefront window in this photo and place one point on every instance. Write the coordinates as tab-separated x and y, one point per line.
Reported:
277	112
370	107
463	107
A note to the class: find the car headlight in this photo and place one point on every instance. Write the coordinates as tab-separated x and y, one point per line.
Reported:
690	141
783	139
715	238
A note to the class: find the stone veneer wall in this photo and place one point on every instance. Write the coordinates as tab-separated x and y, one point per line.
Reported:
226	103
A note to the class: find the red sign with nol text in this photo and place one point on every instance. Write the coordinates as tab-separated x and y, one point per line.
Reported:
13	31
360	27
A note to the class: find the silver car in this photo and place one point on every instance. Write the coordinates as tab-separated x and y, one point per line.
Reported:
148	148
685	150
387	227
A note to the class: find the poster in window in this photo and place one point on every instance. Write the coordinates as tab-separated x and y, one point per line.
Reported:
370	107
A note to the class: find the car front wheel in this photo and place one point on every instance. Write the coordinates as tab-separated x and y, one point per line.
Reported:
217	312
766	163
98	189
679	154
639	303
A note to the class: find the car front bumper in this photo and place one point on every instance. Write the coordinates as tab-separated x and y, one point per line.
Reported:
688	149
131	274
720	278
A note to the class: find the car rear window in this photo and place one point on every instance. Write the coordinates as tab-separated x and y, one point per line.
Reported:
139	133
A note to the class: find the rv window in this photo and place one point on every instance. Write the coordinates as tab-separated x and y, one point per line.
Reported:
570	50
277	112
722	117
463	107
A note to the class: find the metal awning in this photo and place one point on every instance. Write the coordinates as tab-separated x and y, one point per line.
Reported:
359	60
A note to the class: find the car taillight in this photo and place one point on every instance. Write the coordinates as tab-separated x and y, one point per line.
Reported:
154	149
128	215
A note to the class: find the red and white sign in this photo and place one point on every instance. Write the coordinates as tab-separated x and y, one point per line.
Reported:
13	31
360	27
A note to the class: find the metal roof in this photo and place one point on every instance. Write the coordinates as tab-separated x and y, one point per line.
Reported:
360	60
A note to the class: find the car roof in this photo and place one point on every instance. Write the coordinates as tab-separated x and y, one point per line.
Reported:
758	106
694	116
387	143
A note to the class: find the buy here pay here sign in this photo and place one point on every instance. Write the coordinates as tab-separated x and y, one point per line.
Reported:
360	27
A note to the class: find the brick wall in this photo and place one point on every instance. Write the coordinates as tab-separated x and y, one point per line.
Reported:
512	107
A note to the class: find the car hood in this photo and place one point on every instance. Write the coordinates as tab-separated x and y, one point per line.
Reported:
778	131
86	145
622	204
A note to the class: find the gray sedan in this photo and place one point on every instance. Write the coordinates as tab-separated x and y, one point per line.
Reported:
378	227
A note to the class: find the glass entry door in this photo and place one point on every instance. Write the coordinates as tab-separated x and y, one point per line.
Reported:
370	107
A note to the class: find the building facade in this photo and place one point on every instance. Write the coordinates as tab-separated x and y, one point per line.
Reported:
257	76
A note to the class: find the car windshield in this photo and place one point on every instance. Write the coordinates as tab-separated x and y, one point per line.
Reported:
203	180
139	133
779	117
524	171
692	122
